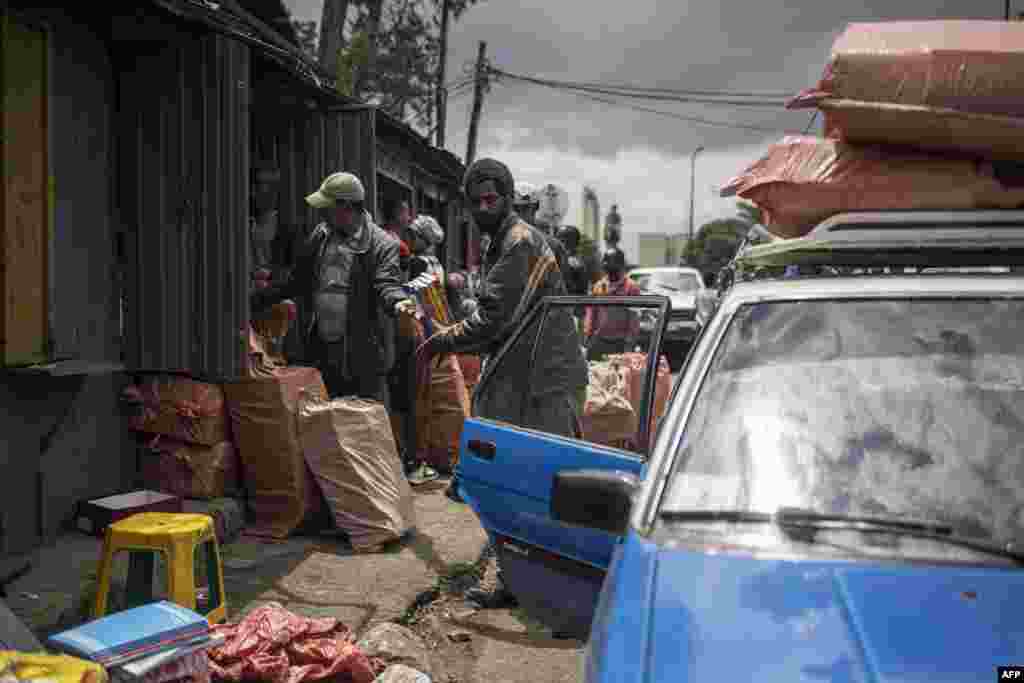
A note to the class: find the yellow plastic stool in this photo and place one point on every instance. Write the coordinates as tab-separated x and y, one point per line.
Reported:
187	546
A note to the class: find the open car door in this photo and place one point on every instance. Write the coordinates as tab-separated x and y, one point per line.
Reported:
515	443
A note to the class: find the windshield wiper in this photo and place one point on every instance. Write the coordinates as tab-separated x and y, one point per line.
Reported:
797	519
800	519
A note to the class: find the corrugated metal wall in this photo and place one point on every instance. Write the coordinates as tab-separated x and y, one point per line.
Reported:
184	148
359	150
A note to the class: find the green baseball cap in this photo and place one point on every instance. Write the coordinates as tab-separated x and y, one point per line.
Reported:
337	187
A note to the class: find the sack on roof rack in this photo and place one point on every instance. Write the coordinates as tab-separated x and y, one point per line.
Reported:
935	85
803	180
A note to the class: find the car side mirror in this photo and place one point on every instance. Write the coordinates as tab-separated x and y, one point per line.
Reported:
597	499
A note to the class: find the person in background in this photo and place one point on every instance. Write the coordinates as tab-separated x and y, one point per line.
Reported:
347	275
401	341
577	281
526	204
609	330
396	216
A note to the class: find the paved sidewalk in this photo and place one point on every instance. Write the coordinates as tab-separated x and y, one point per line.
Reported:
321	576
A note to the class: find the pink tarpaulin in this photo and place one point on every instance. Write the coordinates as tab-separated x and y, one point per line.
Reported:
272	644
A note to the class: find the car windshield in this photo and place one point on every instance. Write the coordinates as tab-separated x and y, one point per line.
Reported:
908	409
675	281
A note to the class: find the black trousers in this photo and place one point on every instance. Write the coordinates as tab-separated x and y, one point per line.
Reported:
371	386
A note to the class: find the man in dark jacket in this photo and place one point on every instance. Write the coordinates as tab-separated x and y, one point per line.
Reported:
345	277
520	269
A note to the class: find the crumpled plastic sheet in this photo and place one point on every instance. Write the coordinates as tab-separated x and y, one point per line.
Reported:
274	645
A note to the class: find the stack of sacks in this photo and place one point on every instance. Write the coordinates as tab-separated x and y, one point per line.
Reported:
183	427
918	115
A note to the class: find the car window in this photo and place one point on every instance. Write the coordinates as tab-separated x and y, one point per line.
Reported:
906	408
576	372
676	281
642	280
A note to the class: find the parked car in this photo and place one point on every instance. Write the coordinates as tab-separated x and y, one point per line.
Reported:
682	286
835	492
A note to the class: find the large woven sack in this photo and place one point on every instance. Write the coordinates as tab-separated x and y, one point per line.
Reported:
352	453
608	415
804	180
442	407
191	470
264	419
635	366
179	407
970	66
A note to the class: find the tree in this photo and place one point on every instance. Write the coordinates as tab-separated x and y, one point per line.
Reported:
307	35
715	244
388	50
749	213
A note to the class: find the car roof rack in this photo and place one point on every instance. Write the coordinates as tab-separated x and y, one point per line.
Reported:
901	238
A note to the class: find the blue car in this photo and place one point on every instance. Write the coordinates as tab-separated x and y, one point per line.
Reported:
835	493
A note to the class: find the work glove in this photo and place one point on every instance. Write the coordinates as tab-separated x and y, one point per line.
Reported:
406	307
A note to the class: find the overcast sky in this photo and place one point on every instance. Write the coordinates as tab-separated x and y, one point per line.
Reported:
637	160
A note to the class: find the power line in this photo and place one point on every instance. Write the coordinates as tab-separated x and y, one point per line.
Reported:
454	93
680	117
735	99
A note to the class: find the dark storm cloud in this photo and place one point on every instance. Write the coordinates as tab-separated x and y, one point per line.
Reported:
747	45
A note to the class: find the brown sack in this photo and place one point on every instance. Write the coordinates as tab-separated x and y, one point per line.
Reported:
350	449
635	366
441	409
970	66
930	129
190	470
608	415
803	180
264	419
180	408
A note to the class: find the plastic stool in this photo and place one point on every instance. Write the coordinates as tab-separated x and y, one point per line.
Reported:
179	540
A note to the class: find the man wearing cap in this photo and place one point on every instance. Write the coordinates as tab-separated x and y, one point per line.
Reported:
346	276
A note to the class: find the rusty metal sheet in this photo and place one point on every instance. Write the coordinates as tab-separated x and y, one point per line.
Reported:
24	193
185	201
359	149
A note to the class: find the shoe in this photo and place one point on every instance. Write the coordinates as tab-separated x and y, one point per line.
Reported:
422	474
496	599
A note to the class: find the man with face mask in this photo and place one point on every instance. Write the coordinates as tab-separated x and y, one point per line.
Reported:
346	276
520	269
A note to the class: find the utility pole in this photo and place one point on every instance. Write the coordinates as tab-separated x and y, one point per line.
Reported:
693	174
441	95
478	101
1007	13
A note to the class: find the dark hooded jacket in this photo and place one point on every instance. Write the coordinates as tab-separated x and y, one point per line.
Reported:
374	287
520	270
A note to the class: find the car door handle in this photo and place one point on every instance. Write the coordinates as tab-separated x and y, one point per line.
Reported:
483	449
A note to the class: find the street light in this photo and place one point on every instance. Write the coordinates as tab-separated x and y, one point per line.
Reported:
693	171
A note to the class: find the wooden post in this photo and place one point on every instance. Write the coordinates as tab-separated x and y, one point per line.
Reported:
441	94
478	102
